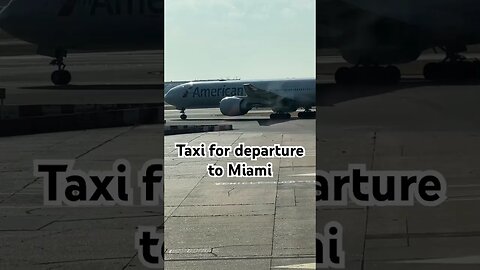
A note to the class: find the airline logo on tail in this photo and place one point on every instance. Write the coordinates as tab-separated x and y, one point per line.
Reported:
114	7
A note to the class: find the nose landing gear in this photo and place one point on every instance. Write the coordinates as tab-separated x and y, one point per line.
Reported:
61	76
183	116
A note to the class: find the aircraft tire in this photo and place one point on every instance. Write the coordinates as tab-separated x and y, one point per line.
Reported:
183	117
431	71
61	77
277	116
392	74
344	75
307	115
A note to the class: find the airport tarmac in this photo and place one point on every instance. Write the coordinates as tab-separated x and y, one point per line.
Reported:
97	78
37	237
34	236
240	223
415	125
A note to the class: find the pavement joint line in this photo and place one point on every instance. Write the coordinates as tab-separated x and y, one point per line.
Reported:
83	260
77	157
105	142
108	218
196	185
130	261
301	256
21	193
218	205
222	215
294	198
22	188
193	139
265	183
275	209
90	219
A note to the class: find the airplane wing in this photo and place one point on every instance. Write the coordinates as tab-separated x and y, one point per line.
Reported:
257	93
264	97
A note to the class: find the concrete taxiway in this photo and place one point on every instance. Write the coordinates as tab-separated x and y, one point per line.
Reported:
34	236
97	78
240	223
415	125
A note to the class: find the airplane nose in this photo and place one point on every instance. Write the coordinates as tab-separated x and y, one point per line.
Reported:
168	98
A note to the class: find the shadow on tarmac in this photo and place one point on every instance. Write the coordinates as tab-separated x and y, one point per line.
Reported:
329	94
261	121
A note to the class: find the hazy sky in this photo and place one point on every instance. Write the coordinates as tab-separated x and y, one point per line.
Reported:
247	39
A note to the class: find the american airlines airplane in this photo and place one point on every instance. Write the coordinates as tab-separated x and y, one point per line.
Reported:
61	26
237	97
375	35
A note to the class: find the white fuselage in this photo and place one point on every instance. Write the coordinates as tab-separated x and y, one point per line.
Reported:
209	94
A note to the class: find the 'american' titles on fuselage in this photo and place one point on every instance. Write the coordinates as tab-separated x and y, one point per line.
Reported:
218	92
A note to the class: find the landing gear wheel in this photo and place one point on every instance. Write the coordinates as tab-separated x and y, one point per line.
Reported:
277	116
431	71
307	115
344	75
392	74
183	117
61	77
454	68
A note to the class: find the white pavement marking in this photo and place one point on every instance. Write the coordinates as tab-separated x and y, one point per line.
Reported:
298	266
453	260
304	174
263	183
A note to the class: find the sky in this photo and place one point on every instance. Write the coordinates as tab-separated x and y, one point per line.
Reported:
246	39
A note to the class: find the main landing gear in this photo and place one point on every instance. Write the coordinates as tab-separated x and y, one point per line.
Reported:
61	76
368	75
280	116
307	114
454	67
183	116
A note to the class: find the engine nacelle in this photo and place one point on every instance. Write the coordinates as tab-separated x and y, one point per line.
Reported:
382	42
380	55
234	106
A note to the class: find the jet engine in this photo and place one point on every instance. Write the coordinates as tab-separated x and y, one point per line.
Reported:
380	55
234	106
381	42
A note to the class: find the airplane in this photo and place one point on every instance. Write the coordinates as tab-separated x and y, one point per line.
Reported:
376	35
60	26
238	97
